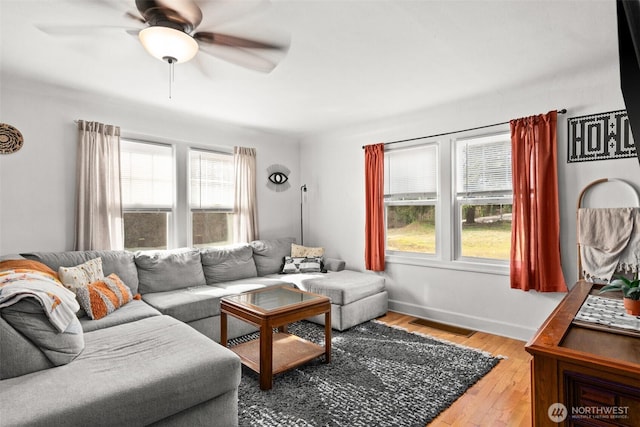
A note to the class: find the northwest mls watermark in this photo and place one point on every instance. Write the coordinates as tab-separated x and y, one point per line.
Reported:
558	412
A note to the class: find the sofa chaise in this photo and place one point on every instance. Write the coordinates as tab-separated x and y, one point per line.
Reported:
155	360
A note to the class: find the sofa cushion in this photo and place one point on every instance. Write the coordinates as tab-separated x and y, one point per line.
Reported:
28	317
333	264
245	285
119	262
131	374
269	254
104	296
160	271
18	354
343	287
135	310
226	263
188	304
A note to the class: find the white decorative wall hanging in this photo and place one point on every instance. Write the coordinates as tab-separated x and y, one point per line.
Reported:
278	178
600	137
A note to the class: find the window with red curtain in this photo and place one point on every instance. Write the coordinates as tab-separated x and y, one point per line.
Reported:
374	207
535	236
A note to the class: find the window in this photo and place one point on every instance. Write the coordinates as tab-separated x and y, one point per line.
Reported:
211	197
411	196
484	196
147	179
448	202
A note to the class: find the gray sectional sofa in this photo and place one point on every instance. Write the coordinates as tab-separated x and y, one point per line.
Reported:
156	361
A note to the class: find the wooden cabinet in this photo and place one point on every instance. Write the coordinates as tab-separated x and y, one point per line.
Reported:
595	374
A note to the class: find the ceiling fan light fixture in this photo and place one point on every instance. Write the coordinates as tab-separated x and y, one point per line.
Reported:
164	42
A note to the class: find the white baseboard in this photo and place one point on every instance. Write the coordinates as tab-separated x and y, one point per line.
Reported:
504	329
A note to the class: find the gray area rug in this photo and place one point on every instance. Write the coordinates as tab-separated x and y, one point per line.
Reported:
378	376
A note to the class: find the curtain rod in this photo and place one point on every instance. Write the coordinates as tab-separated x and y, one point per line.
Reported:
563	111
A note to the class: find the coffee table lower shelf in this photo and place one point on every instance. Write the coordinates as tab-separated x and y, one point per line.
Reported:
289	351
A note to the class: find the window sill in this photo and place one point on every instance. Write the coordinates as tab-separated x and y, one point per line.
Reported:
486	267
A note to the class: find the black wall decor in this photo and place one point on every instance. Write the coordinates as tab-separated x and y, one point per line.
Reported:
278	177
600	137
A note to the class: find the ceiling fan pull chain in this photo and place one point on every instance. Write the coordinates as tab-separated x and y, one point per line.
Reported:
171	61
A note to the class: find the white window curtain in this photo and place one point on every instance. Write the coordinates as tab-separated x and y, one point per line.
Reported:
245	206
98	196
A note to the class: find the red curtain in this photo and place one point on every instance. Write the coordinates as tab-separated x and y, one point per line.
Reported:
374	209
535	231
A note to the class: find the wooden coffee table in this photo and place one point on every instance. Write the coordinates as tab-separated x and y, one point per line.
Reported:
276	307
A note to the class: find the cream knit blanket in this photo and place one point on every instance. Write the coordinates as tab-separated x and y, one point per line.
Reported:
59	304
609	241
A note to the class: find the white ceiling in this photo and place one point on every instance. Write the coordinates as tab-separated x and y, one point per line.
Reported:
349	61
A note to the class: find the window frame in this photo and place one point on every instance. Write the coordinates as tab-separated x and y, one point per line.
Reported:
497	197
428	201
447	217
191	210
169	210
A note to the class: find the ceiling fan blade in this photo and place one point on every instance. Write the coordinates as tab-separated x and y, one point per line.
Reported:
135	17
241	57
74	30
235	41
201	66
133	32
188	9
184	13
221	12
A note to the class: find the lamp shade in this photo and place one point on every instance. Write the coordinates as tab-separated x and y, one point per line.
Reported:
166	43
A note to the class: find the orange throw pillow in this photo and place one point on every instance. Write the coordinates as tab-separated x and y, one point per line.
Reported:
103	296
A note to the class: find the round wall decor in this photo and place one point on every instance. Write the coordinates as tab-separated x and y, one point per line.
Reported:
10	139
278	177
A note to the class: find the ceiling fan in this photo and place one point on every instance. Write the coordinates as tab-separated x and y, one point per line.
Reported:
171	34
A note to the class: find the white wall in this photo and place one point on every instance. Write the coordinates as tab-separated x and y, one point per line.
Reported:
37	183
332	166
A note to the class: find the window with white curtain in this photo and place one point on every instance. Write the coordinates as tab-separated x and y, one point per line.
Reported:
147	178
211	197
484	196
411	198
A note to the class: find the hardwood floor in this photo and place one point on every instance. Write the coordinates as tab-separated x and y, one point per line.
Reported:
500	398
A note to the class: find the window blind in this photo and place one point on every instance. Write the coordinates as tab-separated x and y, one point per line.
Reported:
146	175
211	180
483	166
411	173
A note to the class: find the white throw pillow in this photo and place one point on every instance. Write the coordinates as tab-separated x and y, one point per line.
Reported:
298	251
81	275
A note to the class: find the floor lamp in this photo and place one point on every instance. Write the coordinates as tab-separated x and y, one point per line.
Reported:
303	190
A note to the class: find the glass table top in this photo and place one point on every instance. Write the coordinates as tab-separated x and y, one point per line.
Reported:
273	298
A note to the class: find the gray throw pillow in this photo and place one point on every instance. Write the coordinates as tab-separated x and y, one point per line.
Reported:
28	317
269	254
160	271
226	263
